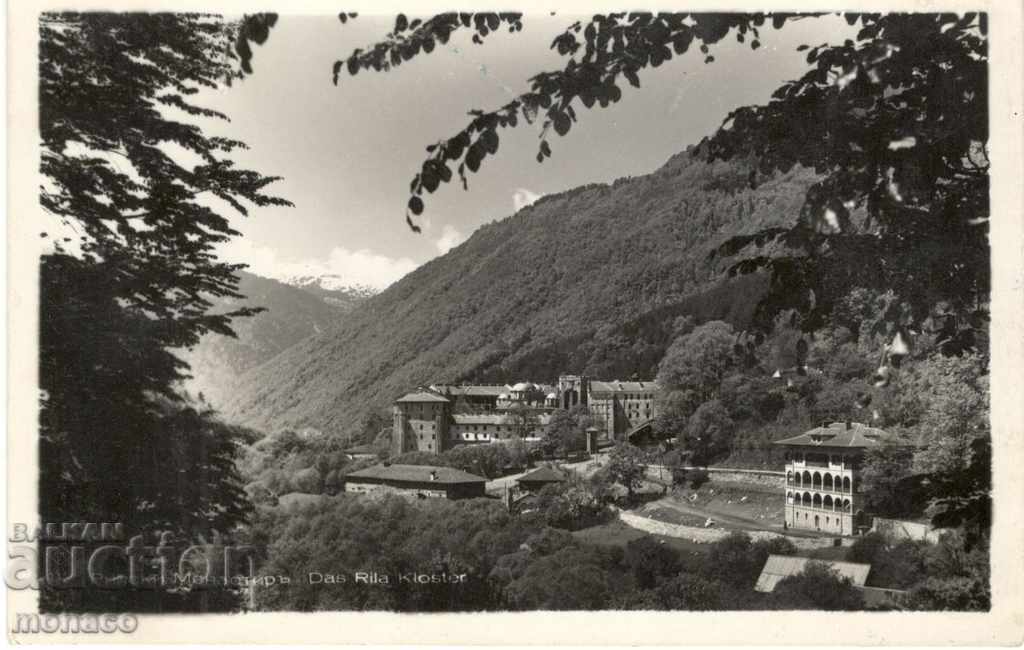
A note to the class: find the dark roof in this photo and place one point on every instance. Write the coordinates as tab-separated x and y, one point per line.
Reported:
777	567
543	474
623	386
422	396
416	474
483	418
838	435
472	390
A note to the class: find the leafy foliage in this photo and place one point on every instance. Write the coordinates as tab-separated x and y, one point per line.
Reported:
895	191
307	462
896	124
573	505
566	431
601	54
699	360
957	576
817	587
890	488
944	400
129	172
147	220
510	562
737	562
118	450
626	466
650	560
391	536
708	433
895	564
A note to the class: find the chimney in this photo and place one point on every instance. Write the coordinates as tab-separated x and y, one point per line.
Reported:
433	475
849	424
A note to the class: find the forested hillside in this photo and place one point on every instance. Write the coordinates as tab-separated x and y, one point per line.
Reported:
590	280
291	314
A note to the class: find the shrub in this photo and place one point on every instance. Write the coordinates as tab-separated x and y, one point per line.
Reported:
817	587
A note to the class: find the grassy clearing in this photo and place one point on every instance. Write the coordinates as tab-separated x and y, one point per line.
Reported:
616	533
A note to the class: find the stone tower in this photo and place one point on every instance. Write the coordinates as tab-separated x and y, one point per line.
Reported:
573	390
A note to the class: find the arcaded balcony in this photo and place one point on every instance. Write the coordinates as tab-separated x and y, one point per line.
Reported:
820	481
818	502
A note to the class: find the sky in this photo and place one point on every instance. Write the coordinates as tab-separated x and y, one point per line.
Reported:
347	153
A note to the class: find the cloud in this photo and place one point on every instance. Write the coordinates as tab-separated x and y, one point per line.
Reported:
359	267
523	197
449	239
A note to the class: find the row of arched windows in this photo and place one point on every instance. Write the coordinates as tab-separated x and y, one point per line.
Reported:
817	501
819	459
819	481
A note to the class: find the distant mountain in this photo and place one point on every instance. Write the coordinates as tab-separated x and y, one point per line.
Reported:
590	280
332	289
292	314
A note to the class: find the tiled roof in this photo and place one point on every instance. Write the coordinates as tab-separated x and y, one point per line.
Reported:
838	435
623	386
542	419
416	474
471	390
544	474
420	396
481	418
777	567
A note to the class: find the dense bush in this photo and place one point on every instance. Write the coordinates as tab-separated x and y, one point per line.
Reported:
290	461
957	575
572	505
817	587
510	562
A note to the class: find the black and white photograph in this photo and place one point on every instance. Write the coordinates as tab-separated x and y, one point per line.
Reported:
599	310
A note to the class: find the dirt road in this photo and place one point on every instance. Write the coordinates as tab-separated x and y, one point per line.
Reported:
721	519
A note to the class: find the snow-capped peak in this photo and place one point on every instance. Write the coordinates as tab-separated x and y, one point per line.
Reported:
330	282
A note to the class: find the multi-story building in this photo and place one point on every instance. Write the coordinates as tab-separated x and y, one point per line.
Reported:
436	418
420	422
620	408
823	477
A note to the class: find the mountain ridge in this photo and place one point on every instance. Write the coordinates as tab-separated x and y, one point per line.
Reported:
291	313
558	284
332	289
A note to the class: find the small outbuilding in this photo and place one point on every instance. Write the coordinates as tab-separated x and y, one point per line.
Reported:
540	478
777	567
423	481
